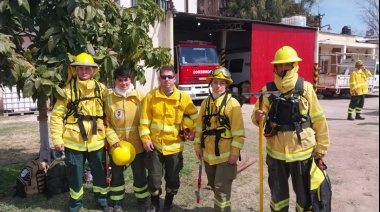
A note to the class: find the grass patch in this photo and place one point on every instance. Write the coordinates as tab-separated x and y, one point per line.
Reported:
38	202
8	175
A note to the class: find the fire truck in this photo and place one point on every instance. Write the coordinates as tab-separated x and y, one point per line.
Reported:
193	62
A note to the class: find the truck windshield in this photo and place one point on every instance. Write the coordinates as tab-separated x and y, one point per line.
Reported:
198	55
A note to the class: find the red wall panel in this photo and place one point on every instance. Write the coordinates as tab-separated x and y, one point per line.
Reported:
267	39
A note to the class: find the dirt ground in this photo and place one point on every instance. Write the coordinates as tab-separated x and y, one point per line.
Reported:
353	160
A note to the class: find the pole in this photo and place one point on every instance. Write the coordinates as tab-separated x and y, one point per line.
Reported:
261	133
316	60
198	193
223	51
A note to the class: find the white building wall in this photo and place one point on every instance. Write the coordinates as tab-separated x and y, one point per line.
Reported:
162	36
347	43
180	6
126	3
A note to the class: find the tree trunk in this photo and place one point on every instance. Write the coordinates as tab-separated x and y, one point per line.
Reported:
45	151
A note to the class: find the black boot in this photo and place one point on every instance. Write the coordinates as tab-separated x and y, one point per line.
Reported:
155	204
168	204
358	116
350	117
117	206
142	204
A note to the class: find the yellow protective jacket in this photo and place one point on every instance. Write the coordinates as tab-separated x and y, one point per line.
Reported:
358	81
285	145
161	118
67	131
123	118
227	146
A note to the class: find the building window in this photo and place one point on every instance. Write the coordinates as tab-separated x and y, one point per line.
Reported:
236	65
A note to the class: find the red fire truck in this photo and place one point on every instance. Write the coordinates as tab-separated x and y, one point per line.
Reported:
193	62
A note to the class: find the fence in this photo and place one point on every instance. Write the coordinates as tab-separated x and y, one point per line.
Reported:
11	104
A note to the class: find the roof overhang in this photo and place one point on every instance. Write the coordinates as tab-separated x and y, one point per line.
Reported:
198	22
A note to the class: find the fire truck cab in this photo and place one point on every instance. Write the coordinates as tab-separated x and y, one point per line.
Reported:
193	62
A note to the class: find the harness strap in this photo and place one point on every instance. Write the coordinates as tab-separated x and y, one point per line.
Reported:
296	125
73	110
217	133
292	127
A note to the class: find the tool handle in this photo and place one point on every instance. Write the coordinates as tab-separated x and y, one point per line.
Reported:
198	193
261	157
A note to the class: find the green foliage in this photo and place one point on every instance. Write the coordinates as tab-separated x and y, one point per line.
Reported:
59	30
266	10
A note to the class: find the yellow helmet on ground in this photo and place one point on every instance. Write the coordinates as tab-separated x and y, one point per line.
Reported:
359	63
286	54
82	59
123	155
220	73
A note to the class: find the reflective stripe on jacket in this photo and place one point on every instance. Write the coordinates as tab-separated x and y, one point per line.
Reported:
285	145
161	117
229	146
69	133
123	118
358	81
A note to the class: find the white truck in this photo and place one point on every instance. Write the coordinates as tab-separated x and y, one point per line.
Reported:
239	64
335	70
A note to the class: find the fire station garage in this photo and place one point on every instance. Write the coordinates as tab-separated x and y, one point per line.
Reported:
243	46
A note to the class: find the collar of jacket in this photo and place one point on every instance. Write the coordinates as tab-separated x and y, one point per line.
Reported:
132	93
84	85
161	94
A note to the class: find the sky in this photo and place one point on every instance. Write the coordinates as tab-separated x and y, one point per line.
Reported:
340	13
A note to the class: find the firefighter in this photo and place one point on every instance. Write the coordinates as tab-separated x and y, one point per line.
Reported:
77	128
297	132
123	108
220	137
162	113
358	89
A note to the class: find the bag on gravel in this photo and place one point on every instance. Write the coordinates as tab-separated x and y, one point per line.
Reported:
320	187
57	181
31	179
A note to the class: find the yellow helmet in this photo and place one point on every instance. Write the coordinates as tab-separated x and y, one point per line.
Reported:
359	63
286	54
187	123
82	59
220	73
123	155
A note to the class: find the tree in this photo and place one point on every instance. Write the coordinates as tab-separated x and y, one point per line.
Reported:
369	15
265	10
59	30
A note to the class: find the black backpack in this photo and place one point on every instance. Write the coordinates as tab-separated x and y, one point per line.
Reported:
31	179
57	181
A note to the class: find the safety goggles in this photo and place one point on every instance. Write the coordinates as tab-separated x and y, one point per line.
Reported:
224	71
164	77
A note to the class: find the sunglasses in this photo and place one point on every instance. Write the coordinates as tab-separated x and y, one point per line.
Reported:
222	70
163	77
